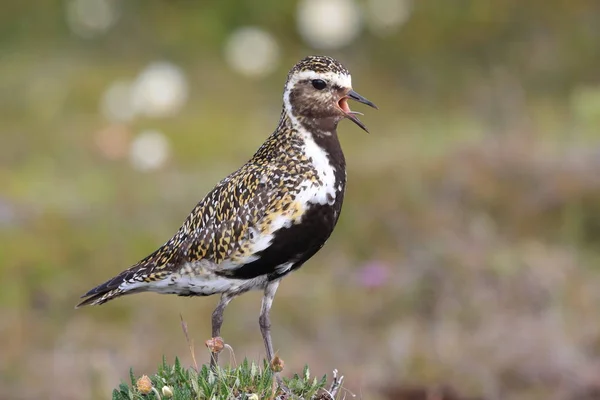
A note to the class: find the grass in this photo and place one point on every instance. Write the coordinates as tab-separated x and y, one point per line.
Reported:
248	381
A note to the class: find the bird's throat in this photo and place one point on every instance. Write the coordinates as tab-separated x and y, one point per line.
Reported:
325	126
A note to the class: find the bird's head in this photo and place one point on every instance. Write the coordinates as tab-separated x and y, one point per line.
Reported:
317	92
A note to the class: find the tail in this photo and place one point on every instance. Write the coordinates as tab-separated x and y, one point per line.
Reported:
139	277
99	298
124	283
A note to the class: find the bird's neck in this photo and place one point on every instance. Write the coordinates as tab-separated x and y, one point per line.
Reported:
291	137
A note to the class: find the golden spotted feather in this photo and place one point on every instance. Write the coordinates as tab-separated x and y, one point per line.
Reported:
226	230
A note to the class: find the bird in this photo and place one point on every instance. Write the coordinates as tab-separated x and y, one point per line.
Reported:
266	219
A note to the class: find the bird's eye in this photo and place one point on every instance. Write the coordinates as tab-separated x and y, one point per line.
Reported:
319	84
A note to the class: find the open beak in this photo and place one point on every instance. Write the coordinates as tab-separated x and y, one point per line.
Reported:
351	115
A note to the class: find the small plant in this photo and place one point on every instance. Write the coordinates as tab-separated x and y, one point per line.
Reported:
248	381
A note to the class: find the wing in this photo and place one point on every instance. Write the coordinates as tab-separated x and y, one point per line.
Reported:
222	226
222	229
251	209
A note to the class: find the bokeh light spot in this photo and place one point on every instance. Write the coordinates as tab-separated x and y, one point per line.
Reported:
329	24
113	141
386	16
90	18
160	90
116	103
252	52
149	150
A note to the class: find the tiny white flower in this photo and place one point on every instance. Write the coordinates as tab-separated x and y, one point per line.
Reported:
167	392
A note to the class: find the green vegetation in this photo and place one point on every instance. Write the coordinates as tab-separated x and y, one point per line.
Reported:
248	381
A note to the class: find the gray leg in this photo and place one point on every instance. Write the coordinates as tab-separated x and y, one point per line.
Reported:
265	322
217	321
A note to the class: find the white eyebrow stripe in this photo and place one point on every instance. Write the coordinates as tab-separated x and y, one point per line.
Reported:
341	80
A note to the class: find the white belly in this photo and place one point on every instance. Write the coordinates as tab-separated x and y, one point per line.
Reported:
203	286
199	279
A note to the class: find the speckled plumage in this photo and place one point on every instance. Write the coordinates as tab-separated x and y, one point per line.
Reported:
224	227
268	217
319	64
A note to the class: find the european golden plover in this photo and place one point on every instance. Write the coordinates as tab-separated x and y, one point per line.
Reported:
267	218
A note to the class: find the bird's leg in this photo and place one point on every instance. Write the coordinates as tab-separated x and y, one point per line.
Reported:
217	321
264	320
265	323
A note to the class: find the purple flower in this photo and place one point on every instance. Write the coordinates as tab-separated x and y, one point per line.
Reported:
373	274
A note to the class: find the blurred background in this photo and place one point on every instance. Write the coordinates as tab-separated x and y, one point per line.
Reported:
467	253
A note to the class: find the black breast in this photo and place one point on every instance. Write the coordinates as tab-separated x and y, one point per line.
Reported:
300	242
